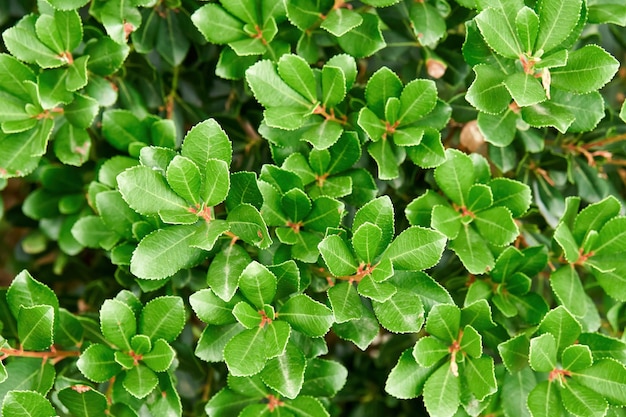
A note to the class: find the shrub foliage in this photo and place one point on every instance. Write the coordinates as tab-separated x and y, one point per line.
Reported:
312	208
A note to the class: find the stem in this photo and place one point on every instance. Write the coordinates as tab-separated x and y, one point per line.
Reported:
171	97
58	355
604	142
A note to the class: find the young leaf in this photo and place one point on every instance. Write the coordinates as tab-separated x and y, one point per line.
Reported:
206	141
444	322
139	381
296	72
98	363
257	284
162	318
418	98
333	86
118	323
337	256
543	353
345	302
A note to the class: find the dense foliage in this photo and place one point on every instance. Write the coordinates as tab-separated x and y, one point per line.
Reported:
313	208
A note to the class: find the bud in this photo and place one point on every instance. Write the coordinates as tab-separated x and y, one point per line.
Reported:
435	68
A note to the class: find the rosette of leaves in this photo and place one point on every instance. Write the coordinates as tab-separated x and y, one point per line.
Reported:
267	328
297	97
574	372
526	73
590	240
248	28
249	396
402	119
136	343
448	367
508	286
59	95
173	196
357	32
364	266
300	221
476	212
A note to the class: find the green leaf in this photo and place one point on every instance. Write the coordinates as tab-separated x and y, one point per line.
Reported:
442	392
285	373
243	189
296	204
147	192
511	194
184	177
569	290
210	308
565	239
418	98
98	363
480	377
544	400
588	109
429	351
35	327
588	69
337	256
216	182
606	11
387	158
428	25
407	378
72	145
270	90
257	284
515	389
246	315
25	291
83	401
162	318
488	92
557	19
171	43
562	325
496	225
160	357
543	353
118	323
455	176
499	33
472	250
366	242
579	399
245	354
217	25
333	86
139	381
323	133
22	43
213	339
548	114
376	289
340	21
225	270
61	31
527	25
206	141
402	313
345	302
444	322
498	129
364	40
607	378
576	357
382	85
166	251
246	222
525	89
430	152
323	378
303	406
416	248
105	56
26	403
296	72
307	315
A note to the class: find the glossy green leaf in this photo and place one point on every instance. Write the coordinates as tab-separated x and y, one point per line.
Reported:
118	323
337	256
206	141
162	318
26	403
544	400
499	33
442	392
488	92
35	327
543	353
365	39
345	302
307	315
562	325
407	378
340	21
140	381
225	270
588	69
244	353
83	401
98	363
557	19
285	373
